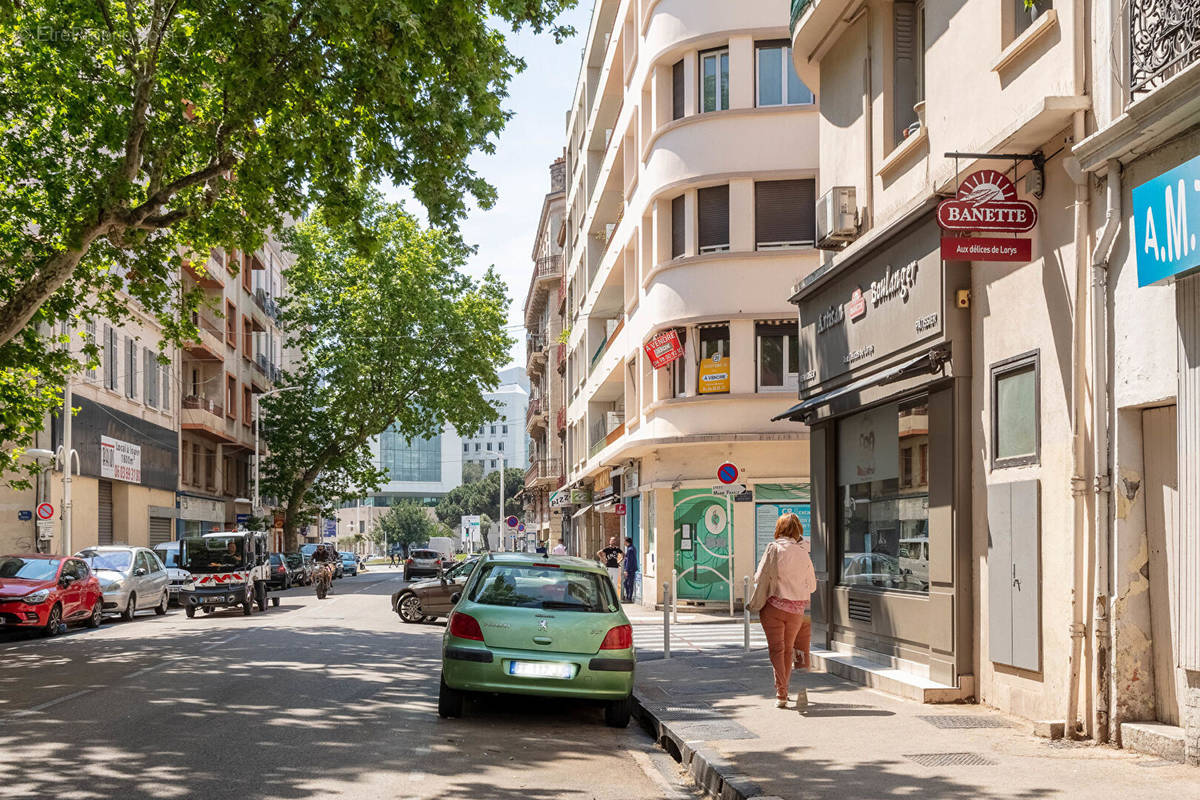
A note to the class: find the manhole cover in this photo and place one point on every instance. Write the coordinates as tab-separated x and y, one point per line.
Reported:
950	759
965	721
709	730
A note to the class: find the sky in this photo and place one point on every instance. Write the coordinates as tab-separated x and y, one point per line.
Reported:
520	168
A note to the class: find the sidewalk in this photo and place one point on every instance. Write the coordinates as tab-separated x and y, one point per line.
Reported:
717	714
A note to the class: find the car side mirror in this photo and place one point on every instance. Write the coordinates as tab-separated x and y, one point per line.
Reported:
139	572
454	598
66	580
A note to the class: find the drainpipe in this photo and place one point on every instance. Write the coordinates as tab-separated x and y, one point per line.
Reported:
1101	455
868	127
1078	448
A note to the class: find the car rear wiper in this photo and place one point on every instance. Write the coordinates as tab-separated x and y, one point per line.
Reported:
562	604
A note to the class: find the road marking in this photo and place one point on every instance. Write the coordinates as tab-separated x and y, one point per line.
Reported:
42	707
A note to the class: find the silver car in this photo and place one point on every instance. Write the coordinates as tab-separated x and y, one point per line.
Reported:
168	553
132	578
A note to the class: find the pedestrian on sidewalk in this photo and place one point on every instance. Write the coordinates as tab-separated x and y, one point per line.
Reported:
784	584
611	556
560	549
631	568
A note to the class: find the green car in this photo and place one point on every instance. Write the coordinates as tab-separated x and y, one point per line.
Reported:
539	625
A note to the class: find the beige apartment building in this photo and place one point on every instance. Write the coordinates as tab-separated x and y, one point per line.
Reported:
999	508
164	439
546	414
691	167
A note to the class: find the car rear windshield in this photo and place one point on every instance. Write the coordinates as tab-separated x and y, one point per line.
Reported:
532	586
29	569
276	558
116	560
295	559
426	554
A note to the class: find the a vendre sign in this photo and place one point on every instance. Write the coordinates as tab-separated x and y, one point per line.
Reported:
664	348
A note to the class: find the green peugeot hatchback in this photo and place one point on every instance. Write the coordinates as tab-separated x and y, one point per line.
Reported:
539	625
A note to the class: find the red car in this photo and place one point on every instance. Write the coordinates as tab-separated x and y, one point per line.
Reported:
43	591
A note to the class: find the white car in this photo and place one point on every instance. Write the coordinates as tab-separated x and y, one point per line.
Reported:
132	578
168	553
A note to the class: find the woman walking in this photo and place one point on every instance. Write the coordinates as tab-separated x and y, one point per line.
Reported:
783	585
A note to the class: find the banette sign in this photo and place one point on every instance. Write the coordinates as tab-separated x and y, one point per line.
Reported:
987	201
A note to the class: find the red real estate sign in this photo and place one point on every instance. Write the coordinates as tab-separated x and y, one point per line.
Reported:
663	349
985	248
987	201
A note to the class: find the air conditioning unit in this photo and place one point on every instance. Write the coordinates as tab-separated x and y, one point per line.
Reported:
837	218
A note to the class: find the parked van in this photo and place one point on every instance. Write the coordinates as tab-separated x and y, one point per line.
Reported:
444	545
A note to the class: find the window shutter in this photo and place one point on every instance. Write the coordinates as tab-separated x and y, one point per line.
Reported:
713	217
678	227
150	379
904	92
784	213
166	387
677	90
130	368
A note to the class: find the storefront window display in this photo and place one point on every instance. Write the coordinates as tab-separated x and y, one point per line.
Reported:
884	497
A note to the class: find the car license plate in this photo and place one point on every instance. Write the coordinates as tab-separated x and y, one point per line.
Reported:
541	669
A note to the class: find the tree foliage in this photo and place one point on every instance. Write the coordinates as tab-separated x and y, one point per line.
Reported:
472	472
406	524
391	335
137	134
483	497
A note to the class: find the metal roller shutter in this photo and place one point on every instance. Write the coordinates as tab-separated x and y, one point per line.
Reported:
678	227
104	513
784	213
677	90
712	217
160	530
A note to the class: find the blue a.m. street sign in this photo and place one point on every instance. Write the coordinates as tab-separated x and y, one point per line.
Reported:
1166	223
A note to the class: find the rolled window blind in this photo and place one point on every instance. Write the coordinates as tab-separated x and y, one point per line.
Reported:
678	227
713	217
784	213
677	90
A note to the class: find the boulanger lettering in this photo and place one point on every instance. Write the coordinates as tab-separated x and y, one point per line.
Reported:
895	283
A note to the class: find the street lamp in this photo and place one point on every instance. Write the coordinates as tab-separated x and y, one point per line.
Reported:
256	506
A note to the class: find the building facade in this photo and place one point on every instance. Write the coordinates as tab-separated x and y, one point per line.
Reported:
421	470
546	361
999	508
504	440
691	165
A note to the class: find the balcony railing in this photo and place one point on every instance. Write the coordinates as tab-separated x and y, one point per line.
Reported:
798	9
200	403
543	469
1164	38
261	364
535	345
536	409
603	348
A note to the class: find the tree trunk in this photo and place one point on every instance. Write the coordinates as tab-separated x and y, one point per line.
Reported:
17	310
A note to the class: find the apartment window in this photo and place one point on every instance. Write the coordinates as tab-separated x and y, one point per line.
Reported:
247	273
477	447
110	358
150	375
678	367
1016	428
908	36
91	342
500	446
197	467
493	463
712	218
184	462
713	368
230	324
466	447
227	474
785	213
714	80
247	406
489	445
130	368
778	83
210	468
230	397
906	467
677	90
504	429
778	356
678	227
493	430
247	339
195	383
1024	17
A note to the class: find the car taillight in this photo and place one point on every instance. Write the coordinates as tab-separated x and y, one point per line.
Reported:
437	561
464	626
408	562
619	638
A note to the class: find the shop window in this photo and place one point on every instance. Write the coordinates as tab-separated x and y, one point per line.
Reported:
908	67
778	356
1016	428
712	218
677	90
785	214
776	78
713	372
1024	17
883	522
714	80
678	227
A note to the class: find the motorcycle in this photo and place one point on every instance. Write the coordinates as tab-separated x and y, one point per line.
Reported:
323	579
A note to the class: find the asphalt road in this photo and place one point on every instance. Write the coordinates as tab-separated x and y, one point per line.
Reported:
333	698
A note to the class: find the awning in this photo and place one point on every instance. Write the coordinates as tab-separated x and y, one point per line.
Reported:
583	510
926	363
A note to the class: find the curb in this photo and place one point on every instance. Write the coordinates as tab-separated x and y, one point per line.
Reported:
711	772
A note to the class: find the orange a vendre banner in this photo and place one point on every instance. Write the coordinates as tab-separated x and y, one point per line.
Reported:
714	374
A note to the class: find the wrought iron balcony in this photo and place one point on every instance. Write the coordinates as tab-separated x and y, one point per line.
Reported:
1164	38
544	470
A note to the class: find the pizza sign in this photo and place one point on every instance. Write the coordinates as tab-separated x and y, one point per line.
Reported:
987	201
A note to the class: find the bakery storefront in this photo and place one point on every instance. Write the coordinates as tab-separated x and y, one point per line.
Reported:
884	386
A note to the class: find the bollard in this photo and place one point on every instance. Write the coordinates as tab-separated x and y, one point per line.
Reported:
666	623
746	612
674	596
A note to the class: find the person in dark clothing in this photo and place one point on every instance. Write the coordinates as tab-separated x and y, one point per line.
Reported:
631	568
611	557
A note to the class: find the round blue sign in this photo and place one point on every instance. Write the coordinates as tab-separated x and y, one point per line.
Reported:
727	473
521	527
512	522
